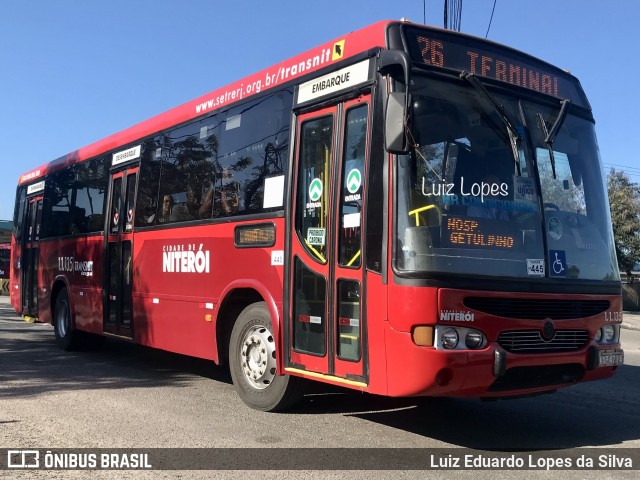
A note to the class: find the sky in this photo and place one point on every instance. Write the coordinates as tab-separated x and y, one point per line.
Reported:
75	71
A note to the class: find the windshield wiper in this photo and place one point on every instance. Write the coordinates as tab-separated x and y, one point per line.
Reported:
514	135
550	135
553	133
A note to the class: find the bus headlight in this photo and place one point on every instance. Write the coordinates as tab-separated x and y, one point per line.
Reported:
608	333
458	338
473	340
449	339
598	336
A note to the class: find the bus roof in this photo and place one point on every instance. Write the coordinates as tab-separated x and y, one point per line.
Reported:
312	60
347	46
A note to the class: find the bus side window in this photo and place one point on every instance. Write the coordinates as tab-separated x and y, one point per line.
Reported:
77	220
96	222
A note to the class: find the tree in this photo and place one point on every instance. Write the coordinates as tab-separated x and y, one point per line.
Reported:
624	198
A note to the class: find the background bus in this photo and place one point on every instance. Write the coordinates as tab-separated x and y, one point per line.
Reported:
5	268
403	210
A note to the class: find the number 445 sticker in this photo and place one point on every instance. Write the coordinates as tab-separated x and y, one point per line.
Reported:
535	267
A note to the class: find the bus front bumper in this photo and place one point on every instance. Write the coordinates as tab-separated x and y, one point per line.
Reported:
492	371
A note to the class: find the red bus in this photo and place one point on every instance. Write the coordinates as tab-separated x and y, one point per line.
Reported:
404	210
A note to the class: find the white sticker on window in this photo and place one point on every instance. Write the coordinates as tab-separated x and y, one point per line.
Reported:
524	189
351	220
315	236
277	257
535	267
353	322
273	192
233	122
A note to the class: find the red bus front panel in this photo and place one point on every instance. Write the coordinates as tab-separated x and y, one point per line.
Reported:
538	366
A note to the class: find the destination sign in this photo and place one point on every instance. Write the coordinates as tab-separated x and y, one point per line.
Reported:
126	155
343	79
464	232
490	60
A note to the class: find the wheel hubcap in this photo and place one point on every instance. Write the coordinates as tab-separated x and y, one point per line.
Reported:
257	357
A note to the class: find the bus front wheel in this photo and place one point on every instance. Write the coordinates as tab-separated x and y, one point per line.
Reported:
252	361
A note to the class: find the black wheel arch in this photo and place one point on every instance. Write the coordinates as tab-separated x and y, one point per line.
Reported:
230	309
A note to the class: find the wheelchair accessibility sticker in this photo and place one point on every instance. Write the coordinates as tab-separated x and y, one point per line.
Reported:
557	263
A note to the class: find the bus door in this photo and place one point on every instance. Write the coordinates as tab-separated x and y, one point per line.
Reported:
326	328
29	257
118	308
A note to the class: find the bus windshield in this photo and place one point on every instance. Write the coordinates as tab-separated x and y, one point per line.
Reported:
474	198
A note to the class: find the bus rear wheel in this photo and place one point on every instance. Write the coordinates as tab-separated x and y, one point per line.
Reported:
252	361
66	336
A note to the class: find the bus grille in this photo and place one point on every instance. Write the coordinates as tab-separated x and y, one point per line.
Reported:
531	341
537	309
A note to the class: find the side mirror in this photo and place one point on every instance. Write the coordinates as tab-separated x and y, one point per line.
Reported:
397	64
395	138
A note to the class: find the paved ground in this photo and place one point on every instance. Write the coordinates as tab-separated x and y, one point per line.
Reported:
631	320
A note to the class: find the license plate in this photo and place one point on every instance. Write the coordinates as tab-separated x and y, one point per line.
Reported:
611	358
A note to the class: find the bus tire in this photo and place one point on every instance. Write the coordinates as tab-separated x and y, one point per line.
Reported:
252	362
66	336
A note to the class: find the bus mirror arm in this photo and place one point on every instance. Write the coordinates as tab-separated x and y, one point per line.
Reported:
397	64
389	61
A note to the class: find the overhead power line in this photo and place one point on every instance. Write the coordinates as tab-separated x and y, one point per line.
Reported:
446	14
453	14
622	168
491	19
